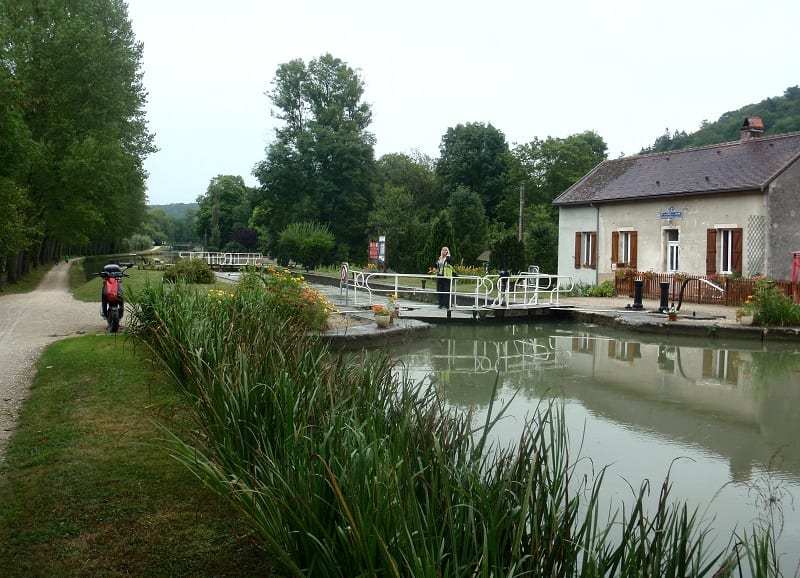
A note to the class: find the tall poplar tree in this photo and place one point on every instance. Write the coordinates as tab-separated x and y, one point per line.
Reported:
320	166
78	63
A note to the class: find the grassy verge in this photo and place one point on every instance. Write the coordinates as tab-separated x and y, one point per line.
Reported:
28	282
90	290
87	490
134	283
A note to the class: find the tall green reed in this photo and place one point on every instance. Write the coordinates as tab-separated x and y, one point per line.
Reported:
343	467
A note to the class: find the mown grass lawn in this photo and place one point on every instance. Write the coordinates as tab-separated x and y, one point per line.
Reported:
87	488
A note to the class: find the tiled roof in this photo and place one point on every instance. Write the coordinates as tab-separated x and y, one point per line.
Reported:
735	166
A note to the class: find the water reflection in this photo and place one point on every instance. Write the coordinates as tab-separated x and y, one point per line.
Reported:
730	407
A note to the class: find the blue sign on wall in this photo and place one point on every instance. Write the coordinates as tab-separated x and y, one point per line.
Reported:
671	213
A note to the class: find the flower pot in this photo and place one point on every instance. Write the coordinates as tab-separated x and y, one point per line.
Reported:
672	316
382	320
746	320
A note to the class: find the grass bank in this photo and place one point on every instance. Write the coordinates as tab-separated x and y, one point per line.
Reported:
86	489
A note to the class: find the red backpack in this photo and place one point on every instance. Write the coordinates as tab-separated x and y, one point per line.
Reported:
112	290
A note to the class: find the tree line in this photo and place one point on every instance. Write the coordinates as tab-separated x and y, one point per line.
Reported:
73	135
320	182
780	114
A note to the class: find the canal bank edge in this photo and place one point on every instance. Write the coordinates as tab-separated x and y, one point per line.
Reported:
641	321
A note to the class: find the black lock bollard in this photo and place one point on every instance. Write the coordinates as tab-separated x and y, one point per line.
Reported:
637	294
663	307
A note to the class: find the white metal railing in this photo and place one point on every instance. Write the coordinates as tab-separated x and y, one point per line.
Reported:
518	291
225	259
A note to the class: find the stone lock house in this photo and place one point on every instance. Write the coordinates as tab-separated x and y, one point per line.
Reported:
731	208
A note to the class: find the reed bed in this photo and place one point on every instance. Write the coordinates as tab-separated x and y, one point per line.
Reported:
345	469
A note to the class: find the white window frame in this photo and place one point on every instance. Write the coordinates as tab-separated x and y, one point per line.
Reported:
586	249
625	247
673	250
725	240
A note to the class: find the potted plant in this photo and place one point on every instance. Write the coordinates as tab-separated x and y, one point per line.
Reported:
383	315
672	313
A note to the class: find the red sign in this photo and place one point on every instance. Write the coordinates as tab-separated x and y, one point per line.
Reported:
373	250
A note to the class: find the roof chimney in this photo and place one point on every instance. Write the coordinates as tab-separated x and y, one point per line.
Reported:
752	127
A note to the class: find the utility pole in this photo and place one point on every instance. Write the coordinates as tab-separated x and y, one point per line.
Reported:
521	211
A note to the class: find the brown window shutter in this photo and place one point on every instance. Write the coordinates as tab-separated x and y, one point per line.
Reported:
711	251
634	247
577	250
615	247
593	256
737	251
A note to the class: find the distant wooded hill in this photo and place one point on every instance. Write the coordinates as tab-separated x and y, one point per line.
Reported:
781	114
176	210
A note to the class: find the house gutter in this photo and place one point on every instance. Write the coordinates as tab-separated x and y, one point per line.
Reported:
597	249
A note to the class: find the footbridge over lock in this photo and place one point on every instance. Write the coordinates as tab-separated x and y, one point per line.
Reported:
228	261
476	296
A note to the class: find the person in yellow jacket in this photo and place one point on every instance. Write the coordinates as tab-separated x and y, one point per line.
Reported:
444	272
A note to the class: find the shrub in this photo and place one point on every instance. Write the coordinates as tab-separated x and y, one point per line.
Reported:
605	289
769	305
307	243
289	296
194	271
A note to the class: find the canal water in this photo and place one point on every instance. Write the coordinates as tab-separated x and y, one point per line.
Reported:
721	418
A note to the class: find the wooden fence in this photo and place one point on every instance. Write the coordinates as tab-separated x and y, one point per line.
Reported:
735	291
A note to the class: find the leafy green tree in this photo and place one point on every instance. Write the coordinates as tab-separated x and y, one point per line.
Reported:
220	210
320	167
441	235
307	242
394	216
405	202
508	253
476	156
137	242
245	238
79	68
547	168
470	224
159	226
186	228
20	229
414	174
541	240
17	232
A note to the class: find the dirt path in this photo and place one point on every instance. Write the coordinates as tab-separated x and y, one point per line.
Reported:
28	323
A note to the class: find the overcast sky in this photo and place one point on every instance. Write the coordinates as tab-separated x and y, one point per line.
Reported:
626	69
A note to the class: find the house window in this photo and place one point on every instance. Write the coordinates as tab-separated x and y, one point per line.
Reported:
724	250
673	250
586	250
623	248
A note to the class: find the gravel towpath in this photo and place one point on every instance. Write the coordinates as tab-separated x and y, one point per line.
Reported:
28	323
